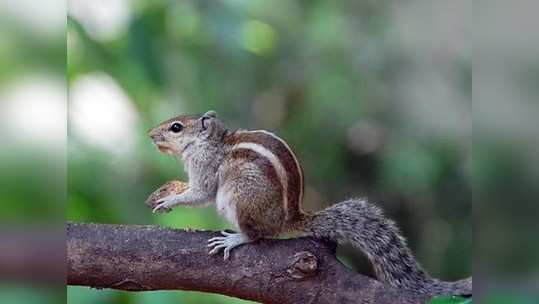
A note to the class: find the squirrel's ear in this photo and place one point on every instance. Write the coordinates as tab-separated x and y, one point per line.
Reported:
211	114
206	116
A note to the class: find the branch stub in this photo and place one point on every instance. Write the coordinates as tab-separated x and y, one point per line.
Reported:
304	265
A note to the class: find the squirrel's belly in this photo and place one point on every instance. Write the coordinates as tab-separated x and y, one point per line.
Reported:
225	205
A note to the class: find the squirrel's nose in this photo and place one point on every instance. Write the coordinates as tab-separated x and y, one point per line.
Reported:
153	133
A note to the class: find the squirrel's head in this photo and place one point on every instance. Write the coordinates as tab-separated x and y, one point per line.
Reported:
175	135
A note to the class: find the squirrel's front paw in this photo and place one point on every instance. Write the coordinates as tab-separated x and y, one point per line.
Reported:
164	205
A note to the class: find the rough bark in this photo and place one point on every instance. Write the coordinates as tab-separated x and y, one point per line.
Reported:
142	258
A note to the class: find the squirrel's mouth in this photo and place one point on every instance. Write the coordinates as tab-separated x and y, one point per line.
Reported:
164	148
161	144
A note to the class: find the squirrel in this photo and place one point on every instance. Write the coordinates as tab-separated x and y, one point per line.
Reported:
256	181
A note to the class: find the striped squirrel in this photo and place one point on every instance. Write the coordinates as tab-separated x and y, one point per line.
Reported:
256	182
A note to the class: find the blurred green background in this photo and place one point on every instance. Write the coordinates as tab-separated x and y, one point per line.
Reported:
32	152
374	97
373	103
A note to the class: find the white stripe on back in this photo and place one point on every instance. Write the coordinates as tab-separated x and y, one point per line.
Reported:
295	160
275	162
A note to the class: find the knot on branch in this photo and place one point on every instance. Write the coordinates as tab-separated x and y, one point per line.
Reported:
304	265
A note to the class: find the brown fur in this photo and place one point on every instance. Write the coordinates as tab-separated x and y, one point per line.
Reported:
255	196
295	175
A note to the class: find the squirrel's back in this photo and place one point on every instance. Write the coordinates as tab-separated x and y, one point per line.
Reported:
265	147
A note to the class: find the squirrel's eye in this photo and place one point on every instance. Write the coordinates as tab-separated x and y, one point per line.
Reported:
176	127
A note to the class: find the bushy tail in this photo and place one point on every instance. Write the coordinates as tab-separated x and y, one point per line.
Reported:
364	226
461	287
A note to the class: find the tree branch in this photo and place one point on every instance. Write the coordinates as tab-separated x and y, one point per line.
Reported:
141	258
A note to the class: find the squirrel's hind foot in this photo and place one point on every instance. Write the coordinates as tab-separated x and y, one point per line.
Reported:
228	241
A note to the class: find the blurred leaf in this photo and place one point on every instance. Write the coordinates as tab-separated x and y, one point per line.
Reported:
258	37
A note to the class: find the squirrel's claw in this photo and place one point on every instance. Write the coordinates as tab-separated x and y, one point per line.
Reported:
161	208
229	241
164	204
